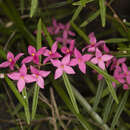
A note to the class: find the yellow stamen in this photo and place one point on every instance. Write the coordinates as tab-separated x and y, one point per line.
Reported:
67	50
62	66
33	54
79	60
50	52
22	77
10	59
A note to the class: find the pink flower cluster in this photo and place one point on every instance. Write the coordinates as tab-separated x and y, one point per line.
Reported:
95	52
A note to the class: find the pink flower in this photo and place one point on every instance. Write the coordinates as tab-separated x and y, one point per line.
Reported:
51	54
69	50
100	59
22	77
62	66
67	31
38	74
34	56
126	72
11	60
80	60
93	43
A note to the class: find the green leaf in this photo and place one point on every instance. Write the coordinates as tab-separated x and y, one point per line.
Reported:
82	2
77	12
119	110
15	91
89	109
80	32
116	40
98	94
107	109
70	92
34	4
36	87
90	19
22	6
112	90
66	99
47	35
26	107
102	12
102	72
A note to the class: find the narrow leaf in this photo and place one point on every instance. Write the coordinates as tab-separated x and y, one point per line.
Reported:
77	12
112	90
82	2
102	72
119	110
116	40
70	92
107	108
36	88
102	12
34	4
98	94
90	19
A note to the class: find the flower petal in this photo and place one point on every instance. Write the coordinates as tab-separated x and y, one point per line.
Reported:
27	59
34	70
44	73
20	84
31	50
66	60
58	73
86	57
4	64
41	51
54	47
23	70
82	67
10	55
98	53
14	76
56	63
124	67
18	56
92	38
40	82
101	65
68	70
128	79
73	62
29	78
77	53
94	60
46	59
106	57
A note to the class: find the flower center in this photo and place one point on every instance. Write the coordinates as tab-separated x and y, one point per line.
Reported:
62	66
79	60
37	75
50	52
67	50
22	77
10	59
33	54
99	59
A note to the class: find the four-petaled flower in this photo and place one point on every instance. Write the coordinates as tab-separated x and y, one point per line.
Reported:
66	50
22	77
51	54
38	74
93	43
34	56
62	66
100	59
11	60
80	60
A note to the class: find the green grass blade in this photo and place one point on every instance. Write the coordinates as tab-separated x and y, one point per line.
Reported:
36	88
66	99
15	91
22	6
34	4
102	72
77	12
102	12
70	92
98	94
90	19
119	110
47	35
80	32
26	107
112	90
82	2
89	109
116	40
107	109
